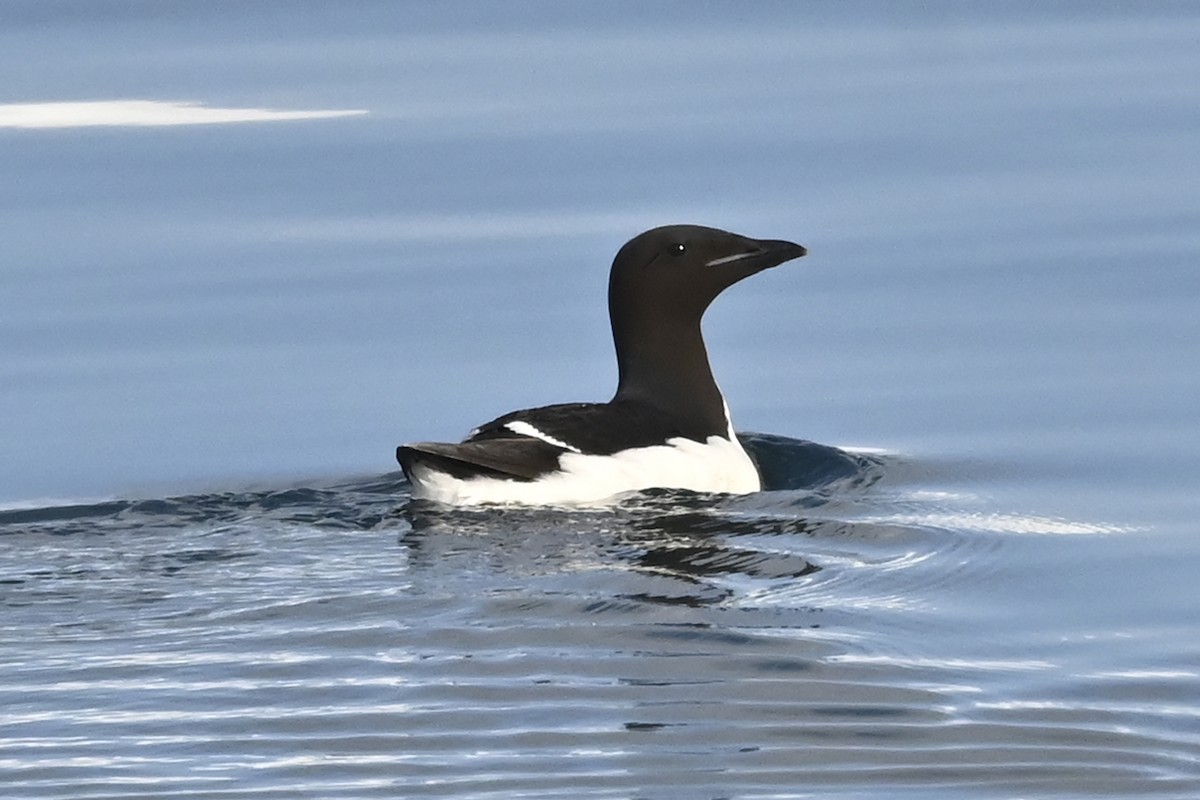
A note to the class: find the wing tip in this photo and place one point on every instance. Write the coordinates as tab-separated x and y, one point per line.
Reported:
408	455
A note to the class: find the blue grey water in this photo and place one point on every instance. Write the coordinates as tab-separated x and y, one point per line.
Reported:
214	332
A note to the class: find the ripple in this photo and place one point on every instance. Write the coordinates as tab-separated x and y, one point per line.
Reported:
859	631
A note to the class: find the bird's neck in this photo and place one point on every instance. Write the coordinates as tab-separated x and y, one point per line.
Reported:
662	361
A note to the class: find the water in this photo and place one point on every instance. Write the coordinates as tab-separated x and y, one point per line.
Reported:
213	335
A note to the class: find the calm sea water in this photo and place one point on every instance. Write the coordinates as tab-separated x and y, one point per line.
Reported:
245	250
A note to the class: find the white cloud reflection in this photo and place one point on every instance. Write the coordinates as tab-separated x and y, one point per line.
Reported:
147	113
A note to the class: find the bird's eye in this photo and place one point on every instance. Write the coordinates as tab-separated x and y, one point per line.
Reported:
678	249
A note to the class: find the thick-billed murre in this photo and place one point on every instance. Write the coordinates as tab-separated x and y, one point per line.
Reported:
667	425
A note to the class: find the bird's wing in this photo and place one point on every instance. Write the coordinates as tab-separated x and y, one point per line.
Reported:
525	445
595	428
518	457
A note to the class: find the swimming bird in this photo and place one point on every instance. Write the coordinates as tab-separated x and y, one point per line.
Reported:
667	425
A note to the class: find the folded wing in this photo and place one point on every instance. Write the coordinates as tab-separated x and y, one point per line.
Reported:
514	458
525	445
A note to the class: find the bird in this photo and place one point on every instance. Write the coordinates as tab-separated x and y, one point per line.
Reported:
667	426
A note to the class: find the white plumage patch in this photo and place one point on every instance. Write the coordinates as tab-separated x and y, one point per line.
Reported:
525	429
716	465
